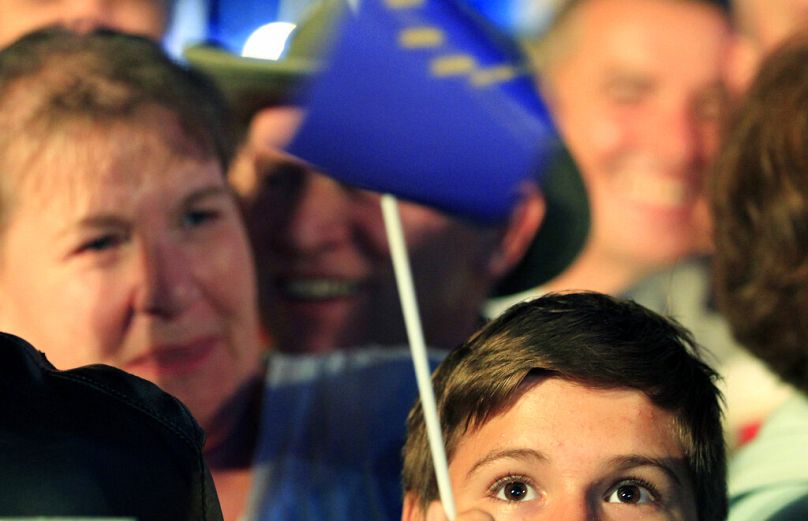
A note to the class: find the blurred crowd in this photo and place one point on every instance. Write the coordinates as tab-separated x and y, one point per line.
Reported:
153	218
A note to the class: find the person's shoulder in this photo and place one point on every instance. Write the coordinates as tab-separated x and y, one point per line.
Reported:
90	439
789	503
768	479
23	366
390	359
682	286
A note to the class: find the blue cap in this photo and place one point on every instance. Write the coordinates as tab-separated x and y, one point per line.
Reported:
421	99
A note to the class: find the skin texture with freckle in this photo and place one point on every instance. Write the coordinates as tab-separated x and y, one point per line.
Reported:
564	442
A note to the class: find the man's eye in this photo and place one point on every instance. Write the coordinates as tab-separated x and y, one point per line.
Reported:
196	218
514	489
632	493
628	91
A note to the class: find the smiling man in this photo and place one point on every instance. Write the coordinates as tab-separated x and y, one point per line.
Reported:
636	88
574	406
325	276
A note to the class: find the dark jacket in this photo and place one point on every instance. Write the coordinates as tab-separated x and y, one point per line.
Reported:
96	441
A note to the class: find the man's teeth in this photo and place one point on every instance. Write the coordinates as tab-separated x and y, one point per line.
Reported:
656	190
318	289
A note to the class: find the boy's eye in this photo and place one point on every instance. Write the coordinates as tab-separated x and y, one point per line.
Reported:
631	493
514	490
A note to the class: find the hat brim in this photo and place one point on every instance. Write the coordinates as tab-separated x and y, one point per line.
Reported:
563	231
242	79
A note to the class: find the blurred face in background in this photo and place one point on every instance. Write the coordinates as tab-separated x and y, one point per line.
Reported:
762	25
324	269
125	246
144	17
769	22
637	92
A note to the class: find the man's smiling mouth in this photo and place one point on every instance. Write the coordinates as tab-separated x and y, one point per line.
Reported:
318	288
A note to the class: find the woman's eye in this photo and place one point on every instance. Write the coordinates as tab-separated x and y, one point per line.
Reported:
514	490
631	493
101	243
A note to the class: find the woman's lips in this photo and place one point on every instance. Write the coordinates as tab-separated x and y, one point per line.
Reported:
174	359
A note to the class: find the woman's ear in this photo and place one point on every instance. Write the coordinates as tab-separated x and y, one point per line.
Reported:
518	233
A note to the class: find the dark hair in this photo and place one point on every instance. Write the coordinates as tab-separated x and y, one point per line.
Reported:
52	77
587	338
759	197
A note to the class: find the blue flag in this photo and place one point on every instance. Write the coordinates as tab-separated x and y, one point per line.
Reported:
422	100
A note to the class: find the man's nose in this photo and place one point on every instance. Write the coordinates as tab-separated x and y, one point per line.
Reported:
682	140
321	217
166	285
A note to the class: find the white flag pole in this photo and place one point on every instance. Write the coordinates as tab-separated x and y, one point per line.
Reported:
415	333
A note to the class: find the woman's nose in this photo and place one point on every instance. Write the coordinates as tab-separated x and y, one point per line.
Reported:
167	286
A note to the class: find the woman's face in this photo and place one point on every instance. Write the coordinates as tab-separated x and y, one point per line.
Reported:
121	249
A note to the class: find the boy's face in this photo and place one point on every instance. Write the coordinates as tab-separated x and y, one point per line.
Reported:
565	451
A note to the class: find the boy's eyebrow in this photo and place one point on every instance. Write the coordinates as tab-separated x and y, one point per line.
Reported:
518	454
635	460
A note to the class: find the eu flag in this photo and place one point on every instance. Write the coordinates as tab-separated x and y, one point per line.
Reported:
422	100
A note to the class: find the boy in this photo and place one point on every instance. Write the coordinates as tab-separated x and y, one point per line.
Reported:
574	406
